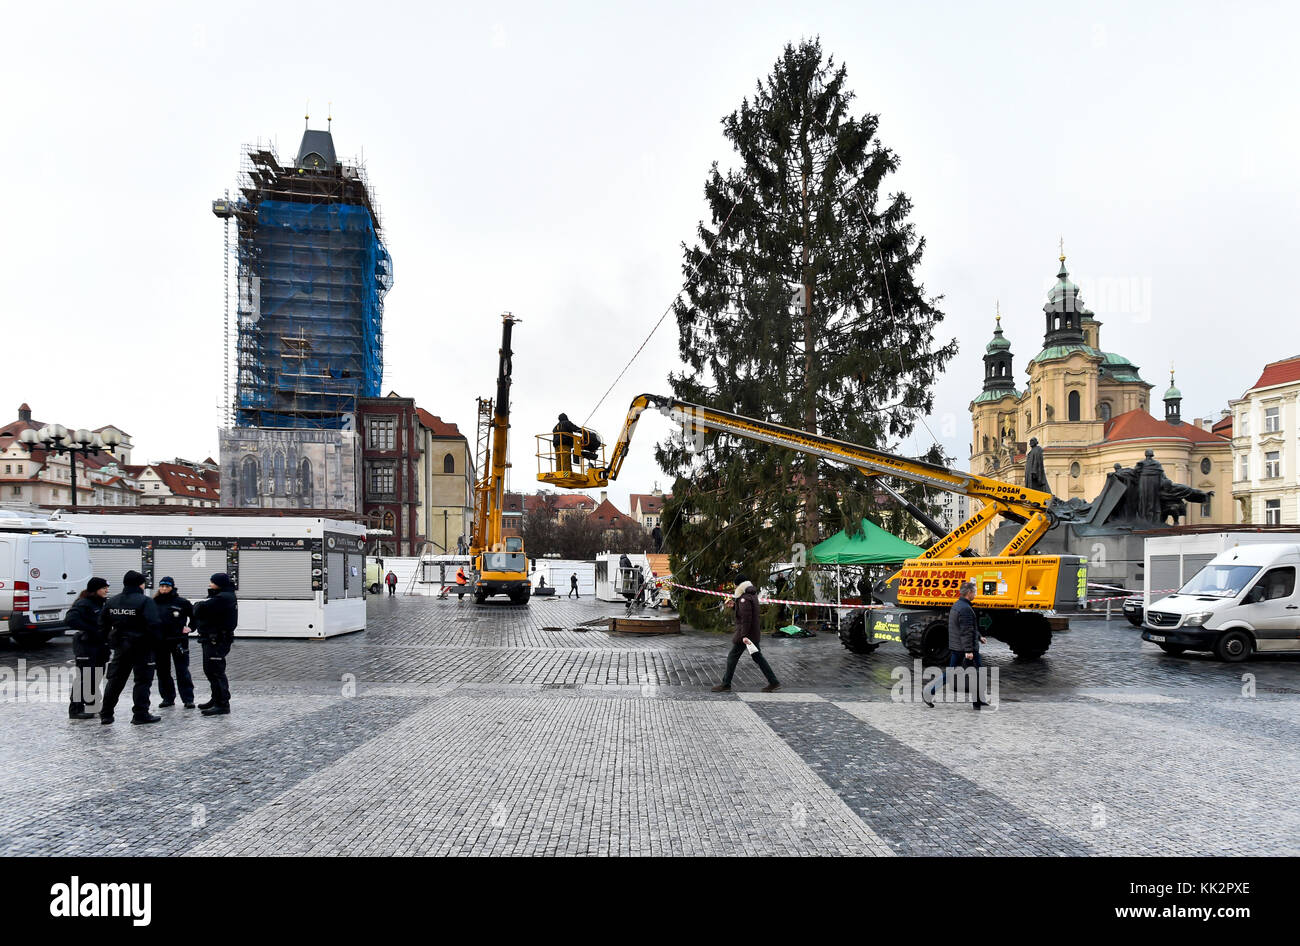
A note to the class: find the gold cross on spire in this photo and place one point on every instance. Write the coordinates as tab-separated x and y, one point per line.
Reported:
997	307
1061	243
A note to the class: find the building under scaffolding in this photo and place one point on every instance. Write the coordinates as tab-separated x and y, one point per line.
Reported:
313	272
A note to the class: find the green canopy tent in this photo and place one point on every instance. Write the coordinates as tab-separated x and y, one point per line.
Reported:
872	546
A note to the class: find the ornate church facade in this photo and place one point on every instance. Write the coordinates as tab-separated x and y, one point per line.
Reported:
1089	409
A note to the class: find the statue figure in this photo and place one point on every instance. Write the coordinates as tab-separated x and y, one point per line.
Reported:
1127	510
1150	477
1035	474
1174	498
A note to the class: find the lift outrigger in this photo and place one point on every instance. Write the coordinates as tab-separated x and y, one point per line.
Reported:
1013	588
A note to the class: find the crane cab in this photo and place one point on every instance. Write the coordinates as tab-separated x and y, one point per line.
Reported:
503	572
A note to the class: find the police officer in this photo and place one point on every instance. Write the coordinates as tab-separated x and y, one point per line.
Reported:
216	620
88	646
132	625
174	650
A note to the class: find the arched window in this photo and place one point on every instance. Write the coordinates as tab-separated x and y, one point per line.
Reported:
279	472
304	483
390	523
449	464
248	482
1104	409
986	443
1072	403
1038	407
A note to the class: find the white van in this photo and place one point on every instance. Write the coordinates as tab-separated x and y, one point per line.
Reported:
1244	601
42	570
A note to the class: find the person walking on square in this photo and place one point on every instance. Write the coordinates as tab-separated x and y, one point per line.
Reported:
174	650
217	618
88	646
131	624
573	586
391	580
963	643
744	602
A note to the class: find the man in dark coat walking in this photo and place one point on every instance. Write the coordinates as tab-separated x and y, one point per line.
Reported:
217	618
174	650
963	642
573	586
131	623
744	602
89	646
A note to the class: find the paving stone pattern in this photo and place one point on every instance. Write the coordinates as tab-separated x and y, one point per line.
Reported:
449	728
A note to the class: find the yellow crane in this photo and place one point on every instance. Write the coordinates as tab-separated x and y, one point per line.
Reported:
1013	588
500	562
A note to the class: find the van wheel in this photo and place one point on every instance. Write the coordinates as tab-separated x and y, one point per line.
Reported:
28	638
1172	649
1233	647
374	589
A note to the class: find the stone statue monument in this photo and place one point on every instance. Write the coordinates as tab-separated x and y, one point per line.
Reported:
1150	496
1150	476
1035	474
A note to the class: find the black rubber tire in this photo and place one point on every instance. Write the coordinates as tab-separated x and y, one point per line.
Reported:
374	589
1134	619
1173	650
479	598
853	636
929	642
1031	637
29	638
1233	647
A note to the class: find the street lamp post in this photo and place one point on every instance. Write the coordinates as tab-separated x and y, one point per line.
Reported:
54	438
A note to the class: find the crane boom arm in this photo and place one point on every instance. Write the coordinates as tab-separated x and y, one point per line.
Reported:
1036	510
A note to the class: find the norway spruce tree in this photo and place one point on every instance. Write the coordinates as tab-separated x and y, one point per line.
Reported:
802	307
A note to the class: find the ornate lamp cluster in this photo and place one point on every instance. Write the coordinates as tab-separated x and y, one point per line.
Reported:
56	439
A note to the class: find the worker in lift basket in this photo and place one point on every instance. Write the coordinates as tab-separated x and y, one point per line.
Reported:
565	443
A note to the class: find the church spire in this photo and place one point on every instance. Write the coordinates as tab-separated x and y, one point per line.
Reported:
1173	401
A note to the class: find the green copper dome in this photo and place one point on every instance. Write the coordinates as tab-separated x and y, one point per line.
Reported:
999	342
1064	294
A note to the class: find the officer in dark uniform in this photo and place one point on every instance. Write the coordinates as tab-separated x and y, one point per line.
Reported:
132	625
174	650
216	620
88	646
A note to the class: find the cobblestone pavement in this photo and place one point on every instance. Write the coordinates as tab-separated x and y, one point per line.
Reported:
448	728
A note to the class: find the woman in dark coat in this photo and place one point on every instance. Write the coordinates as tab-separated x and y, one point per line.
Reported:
88	646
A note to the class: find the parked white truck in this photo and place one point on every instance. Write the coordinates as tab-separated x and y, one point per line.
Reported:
1243	601
42	570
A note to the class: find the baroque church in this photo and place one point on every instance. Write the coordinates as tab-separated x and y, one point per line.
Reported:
1089	409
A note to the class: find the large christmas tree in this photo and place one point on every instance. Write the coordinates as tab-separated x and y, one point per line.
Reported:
802	307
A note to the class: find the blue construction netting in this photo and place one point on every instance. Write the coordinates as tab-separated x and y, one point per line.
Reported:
311	336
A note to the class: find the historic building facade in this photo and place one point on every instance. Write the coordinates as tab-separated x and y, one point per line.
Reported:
1089	409
1266	447
390	464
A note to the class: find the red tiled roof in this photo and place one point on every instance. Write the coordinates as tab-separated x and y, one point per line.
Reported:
609	516
1224	427
436	424
1140	425
183	481
649	502
1279	372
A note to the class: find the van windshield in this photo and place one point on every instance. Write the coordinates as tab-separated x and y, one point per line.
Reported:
1220	581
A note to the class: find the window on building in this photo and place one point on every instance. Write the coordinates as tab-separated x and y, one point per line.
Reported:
381	480
1272	420
155	485
1038	407
17	491
382	433
449	464
1104	410
1205	509
8	467
1273	512
1272	464
1075	470
1245	467
1206	466
1244	423
1072	405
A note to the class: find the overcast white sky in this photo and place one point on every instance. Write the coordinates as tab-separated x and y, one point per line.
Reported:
549	159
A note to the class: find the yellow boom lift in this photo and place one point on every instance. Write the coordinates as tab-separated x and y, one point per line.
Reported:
500	563
1013	588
